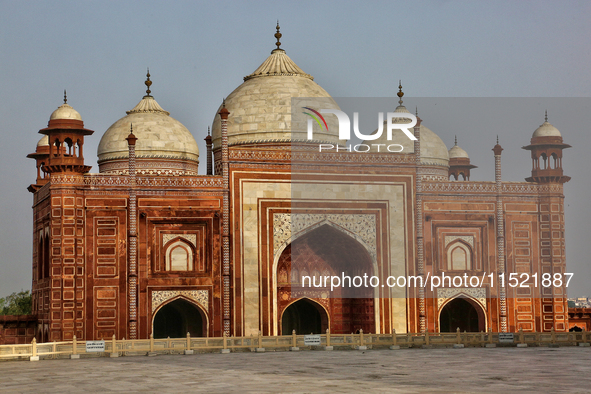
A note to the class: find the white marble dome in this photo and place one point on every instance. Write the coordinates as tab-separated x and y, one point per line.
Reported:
457	153
44	141
433	150
546	130
159	138
261	107
65	111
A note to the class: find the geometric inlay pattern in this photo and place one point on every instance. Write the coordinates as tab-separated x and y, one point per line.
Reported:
192	238
466	238
363	226
444	294
161	296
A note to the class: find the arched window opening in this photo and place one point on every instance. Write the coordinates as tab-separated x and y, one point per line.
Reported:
545	164
40	258
58	146
459	256
179	256
46	257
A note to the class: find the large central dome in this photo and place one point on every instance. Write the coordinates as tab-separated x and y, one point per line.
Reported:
260	108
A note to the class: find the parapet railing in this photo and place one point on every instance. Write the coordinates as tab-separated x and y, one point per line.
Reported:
361	341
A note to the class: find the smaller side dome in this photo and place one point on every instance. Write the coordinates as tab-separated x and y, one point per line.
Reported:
546	130
44	141
456	152
65	111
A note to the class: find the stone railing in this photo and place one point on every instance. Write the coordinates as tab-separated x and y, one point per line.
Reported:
360	341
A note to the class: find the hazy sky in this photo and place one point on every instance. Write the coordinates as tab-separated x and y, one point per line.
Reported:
198	53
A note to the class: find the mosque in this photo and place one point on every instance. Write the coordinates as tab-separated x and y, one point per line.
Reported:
151	245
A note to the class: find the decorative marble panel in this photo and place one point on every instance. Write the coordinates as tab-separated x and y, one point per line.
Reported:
159	297
469	239
192	238
478	293
363	226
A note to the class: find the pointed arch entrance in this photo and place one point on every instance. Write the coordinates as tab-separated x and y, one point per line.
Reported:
323	252
462	313
305	317
177	318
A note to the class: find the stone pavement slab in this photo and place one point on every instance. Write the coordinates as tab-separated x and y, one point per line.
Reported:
471	370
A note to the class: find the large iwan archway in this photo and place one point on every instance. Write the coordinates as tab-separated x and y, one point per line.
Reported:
324	251
177	318
462	313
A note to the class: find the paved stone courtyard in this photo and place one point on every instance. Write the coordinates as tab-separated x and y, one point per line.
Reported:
499	370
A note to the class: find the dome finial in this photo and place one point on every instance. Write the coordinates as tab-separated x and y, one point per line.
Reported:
148	83
416	110
278	36
65	97
456	141
497	139
208	130
400	92
546	116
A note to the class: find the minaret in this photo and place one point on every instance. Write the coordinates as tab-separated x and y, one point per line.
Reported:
546	152
419	214
546	148
132	236
58	226
500	236
224	113
209	145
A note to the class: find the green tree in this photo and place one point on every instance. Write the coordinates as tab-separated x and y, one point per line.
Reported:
18	303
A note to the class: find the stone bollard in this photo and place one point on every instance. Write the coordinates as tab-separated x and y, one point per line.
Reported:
294	340
188	349
225	349
427	344
151	353
584	338
74	355
328	345
458	344
490	339
114	352
394	345
553	338
521	338
260	349
34	356
361	342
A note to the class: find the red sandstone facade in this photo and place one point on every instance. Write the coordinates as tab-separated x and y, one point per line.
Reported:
113	251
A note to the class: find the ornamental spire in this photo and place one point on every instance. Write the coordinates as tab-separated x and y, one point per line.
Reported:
148	83
400	92
278	35
65	97
546	116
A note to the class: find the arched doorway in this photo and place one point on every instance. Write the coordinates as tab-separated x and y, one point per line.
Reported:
305	317
177	318
462	313
321	253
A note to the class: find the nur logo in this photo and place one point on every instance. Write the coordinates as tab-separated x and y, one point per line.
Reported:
345	124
